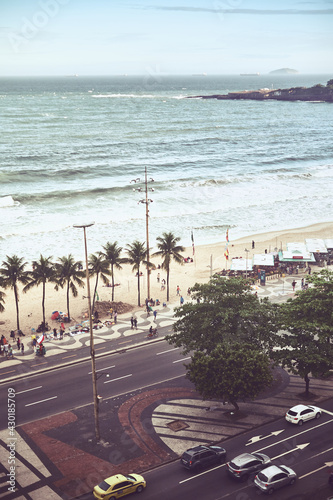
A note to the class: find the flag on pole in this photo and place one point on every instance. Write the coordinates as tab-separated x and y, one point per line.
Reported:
40	339
192	241
226	251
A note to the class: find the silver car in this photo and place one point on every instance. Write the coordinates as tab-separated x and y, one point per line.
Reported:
244	465
274	477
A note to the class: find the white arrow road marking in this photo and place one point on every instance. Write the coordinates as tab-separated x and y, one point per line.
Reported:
327	464
299	447
295	435
255	439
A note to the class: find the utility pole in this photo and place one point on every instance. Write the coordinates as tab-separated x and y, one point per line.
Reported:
146	201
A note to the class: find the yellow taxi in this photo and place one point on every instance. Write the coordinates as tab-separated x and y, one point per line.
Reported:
119	486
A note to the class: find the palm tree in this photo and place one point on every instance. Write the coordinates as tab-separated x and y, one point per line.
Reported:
42	272
99	267
12	273
2	300
168	250
112	255
136	256
69	273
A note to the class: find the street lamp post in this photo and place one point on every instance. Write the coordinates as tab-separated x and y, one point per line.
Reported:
146	202
92	348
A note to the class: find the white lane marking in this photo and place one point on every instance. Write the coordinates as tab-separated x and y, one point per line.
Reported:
295	435
201	474
299	447
101	369
169	350
27	390
42	401
255	439
119	378
180	360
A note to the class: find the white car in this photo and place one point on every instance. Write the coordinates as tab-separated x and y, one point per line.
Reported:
301	413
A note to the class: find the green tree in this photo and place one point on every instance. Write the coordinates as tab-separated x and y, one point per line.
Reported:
12	273
306	344
69	274
42	271
224	310
330	83
99	267
112	254
137	254
230	372
168	249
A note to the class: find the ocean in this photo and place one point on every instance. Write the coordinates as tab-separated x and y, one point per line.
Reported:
71	147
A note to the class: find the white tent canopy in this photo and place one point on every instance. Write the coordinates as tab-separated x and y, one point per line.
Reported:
315	245
263	259
241	265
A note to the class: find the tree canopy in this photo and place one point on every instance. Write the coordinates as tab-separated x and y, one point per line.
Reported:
224	310
306	344
230	372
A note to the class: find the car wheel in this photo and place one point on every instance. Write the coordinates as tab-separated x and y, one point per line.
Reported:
292	481
318	414
300	422
139	489
270	491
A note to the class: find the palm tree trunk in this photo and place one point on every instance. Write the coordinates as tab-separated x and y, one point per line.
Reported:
112	282
139	286
17	307
69	318
93	303
168	272
43	302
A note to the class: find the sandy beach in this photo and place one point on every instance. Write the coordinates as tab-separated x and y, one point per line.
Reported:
207	260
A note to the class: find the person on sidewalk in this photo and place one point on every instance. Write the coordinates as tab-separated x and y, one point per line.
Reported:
155	315
22	348
135	322
115	317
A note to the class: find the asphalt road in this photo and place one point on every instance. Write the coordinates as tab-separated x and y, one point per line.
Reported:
45	394
307	449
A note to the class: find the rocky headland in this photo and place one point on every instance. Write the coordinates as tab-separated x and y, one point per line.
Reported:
317	93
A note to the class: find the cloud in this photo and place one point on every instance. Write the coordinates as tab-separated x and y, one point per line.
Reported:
260	12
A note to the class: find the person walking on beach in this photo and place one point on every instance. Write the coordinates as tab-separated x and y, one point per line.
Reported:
158	277
178	290
253	244
181	300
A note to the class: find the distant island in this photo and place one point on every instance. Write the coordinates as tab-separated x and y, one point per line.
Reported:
317	93
284	71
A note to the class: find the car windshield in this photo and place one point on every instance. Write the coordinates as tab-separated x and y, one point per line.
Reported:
262	477
130	478
104	486
292	412
233	465
187	456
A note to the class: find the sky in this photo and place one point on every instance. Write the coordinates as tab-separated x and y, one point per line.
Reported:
164	37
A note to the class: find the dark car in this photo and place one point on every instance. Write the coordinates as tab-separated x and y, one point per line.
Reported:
200	457
244	465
